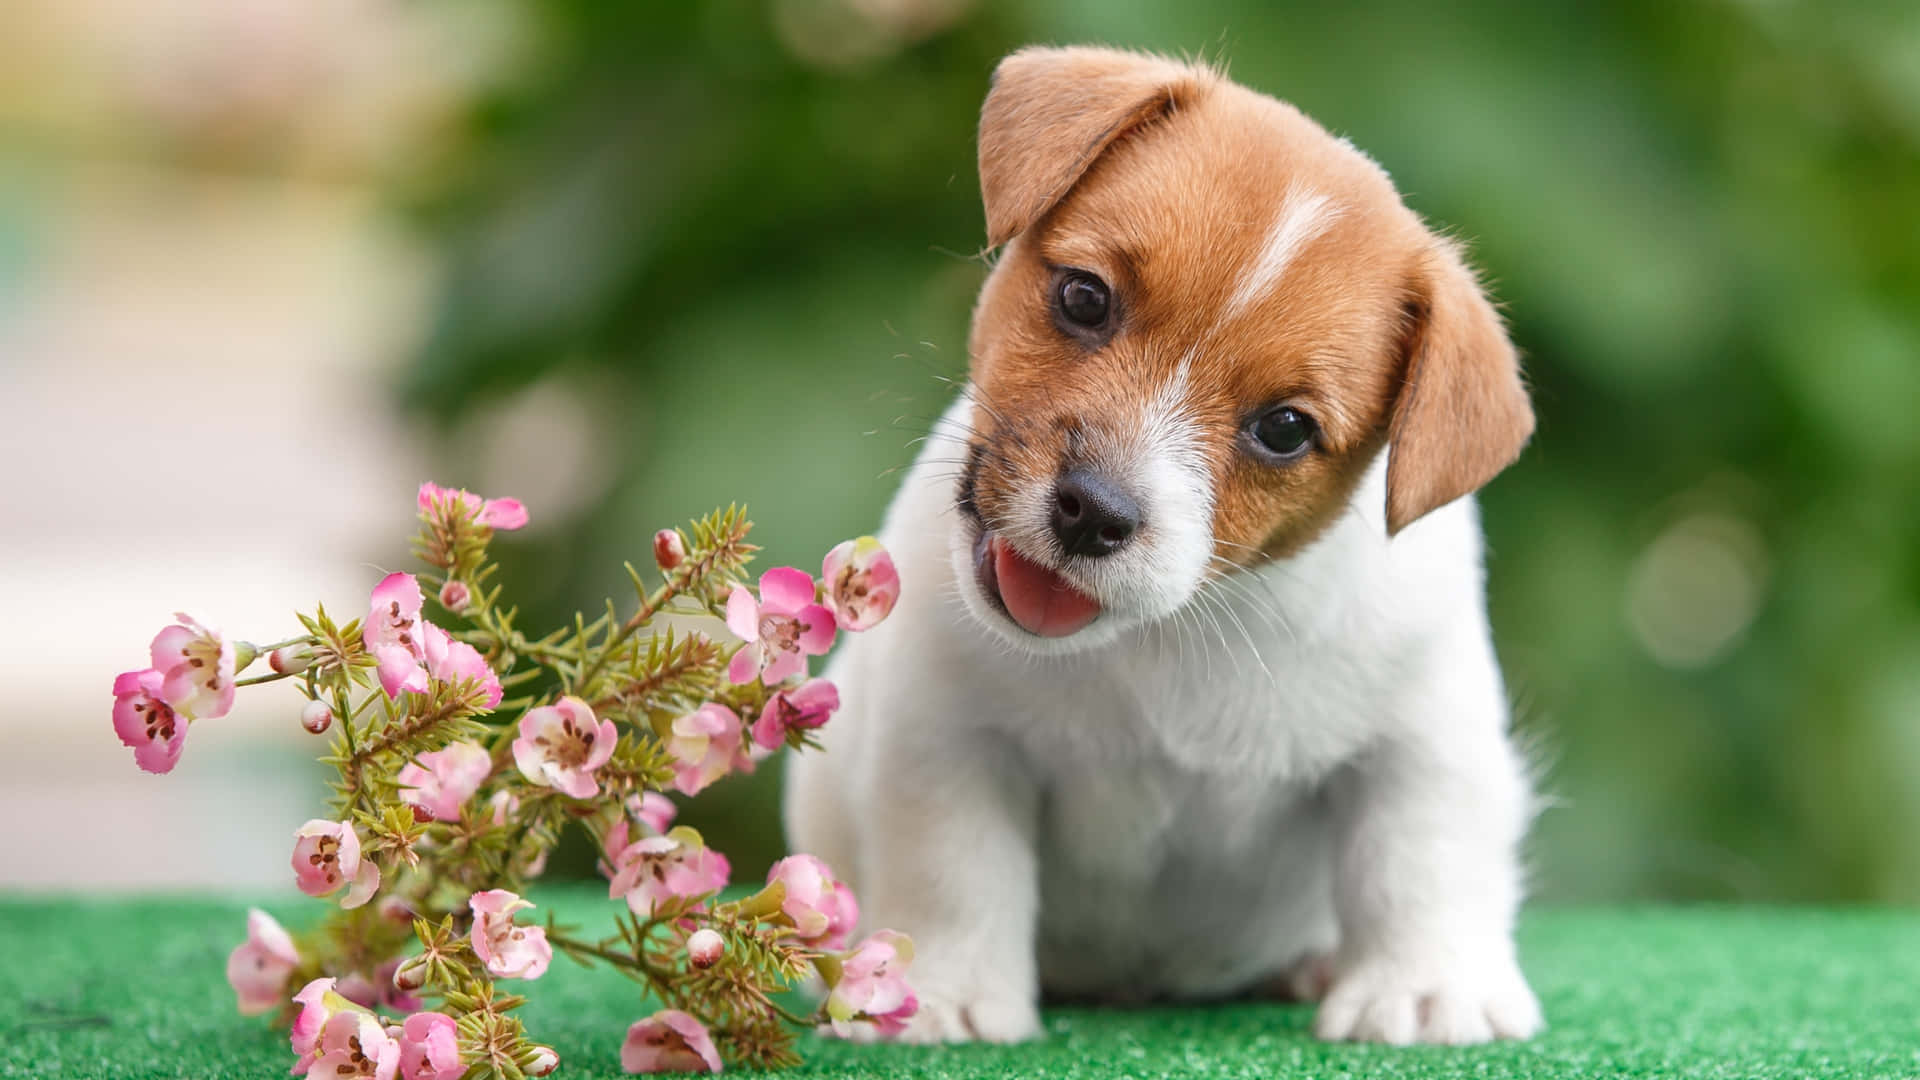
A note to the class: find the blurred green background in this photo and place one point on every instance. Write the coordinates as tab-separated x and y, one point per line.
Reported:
737	241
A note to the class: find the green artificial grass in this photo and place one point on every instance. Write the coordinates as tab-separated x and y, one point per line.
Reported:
92	989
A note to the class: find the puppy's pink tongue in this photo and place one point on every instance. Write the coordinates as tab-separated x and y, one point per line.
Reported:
1037	598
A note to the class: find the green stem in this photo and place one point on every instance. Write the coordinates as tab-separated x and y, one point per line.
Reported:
675	584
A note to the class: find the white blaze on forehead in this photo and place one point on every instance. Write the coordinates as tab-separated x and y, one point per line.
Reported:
1303	216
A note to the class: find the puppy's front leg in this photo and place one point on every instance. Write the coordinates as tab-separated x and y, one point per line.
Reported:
951	862
1428	879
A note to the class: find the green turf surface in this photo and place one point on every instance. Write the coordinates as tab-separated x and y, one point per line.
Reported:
135	988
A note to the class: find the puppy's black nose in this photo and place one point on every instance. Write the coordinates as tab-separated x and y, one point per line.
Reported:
1092	516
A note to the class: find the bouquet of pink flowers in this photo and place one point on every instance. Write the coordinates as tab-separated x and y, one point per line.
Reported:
465	745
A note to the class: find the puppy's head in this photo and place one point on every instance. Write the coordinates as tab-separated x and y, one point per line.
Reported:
1208	319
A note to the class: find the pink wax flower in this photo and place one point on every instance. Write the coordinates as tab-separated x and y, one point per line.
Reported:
504	514
873	983
782	628
146	723
669	1041
560	746
705	746
654	812
326	855
430	1048
394	633
508	951
861	583
450	661
805	707
704	947
353	1044
439	782
198	665
545	1060
319	1002
258	967
661	869
652	809
823	910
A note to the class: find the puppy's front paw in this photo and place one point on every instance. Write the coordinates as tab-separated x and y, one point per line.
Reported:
1383	1001
972	1018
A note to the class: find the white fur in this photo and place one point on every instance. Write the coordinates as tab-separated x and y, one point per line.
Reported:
1297	773
1303	216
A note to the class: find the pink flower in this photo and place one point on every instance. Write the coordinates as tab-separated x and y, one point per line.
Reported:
861	583
508	951
705	746
199	667
545	1060
560	746
669	1041
659	870
258	967
411	651
326	855
652	809
781	629
318	1002
439	782
450	661
822	909
873	985
704	947
394	634
807	706
504	514
353	1044
146	723
430	1048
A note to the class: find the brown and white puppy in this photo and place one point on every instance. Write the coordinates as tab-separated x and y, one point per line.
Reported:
1190	690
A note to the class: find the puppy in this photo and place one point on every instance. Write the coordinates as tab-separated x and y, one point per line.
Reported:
1190	691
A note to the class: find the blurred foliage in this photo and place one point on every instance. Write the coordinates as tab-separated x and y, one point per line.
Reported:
744	233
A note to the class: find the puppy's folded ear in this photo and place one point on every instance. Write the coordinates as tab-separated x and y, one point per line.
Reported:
1462	414
1052	112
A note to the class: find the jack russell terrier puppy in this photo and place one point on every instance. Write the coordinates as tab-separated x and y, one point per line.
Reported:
1190	691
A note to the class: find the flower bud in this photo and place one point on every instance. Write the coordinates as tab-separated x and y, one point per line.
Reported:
545	1060
704	948
316	717
290	659
668	548
411	975
455	596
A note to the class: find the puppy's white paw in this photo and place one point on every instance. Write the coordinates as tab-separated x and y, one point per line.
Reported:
974	1018
1400	1004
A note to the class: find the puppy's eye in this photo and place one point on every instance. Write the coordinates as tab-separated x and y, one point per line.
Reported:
1284	433
1083	299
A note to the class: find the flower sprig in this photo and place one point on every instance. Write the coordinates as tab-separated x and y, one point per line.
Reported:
463	747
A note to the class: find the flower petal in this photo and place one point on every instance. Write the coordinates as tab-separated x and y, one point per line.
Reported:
743	614
816	635
784	590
